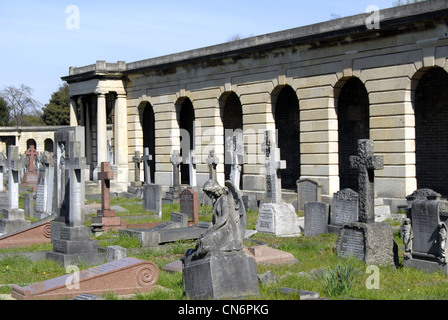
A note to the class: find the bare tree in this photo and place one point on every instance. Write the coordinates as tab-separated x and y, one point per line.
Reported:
20	102
404	2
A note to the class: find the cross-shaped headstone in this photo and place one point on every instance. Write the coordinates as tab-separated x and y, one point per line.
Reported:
31	152
267	144
176	160
14	166
146	158
74	164
105	176
366	162
212	162
137	160
273	167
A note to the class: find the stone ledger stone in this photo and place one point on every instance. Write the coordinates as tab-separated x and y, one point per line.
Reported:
369	242
217	272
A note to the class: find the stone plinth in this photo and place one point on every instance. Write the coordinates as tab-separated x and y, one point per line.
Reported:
220	275
279	219
125	276
13	220
267	255
372	243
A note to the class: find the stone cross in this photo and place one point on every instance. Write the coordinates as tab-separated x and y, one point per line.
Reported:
192	168
176	160
137	160
105	176
267	142
273	167
74	164
14	166
31	152
366	162
212	162
3	164
146	158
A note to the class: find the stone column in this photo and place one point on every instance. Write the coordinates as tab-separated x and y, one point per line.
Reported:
121	141
101	130
73	117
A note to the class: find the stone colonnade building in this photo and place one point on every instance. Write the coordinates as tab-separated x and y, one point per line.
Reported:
320	88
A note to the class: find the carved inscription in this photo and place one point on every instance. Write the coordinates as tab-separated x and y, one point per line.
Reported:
265	221
352	244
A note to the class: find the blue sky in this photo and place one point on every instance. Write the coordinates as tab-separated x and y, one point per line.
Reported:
37	48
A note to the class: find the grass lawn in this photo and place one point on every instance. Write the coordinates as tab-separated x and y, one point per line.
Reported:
318	268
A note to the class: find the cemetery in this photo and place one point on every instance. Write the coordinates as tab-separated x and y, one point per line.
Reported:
155	217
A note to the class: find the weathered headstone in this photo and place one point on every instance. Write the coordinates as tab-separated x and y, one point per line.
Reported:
316	218
420	194
344	209
106	219
44	186
70	238
236	154
172	196
189	205
308	190
146	159
152	198
28	204
13	217
425	236
4	202
136	185
114	253
124	276
366	162
367	240
30	178
277	218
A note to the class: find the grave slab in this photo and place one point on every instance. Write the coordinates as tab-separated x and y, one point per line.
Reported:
125	276
316	218
267	255
37	233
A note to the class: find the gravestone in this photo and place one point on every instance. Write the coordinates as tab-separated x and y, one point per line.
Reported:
28	204
30	177
165	232
189	205
136	185
420	194
124	276
146	159
367	240
70	238
44	186
37	233
264	254
13	217
425	236
236	155
316	218
152	198
278	218
106	219
172	195
344	209
308	190
4	202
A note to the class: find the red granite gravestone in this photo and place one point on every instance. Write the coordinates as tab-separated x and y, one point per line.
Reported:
30	178
106	217
124	276
37	233
189	205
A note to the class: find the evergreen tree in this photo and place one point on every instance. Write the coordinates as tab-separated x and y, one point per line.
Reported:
5	119
57	111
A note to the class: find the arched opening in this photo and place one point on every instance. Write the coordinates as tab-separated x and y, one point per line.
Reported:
431	130
353	124
232	120
186	125
287	123
31	142
49	145
149	137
